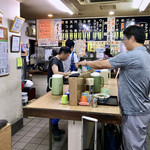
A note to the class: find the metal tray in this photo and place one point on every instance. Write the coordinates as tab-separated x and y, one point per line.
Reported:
112	101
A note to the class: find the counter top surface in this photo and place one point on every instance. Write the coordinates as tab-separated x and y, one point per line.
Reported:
50	103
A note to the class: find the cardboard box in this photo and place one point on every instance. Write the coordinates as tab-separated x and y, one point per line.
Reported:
76	87
5	137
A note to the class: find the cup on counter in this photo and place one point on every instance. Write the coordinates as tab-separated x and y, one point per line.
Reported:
64	99
94	104
86	94
67	93
83	98
105	91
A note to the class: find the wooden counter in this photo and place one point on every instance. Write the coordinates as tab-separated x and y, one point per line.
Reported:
48	106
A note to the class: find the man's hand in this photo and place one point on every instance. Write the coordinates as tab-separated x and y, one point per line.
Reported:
68	73
83	63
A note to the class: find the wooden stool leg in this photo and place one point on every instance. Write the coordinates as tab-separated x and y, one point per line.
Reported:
50	134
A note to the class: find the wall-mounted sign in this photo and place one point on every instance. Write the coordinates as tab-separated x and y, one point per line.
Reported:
1	17
17	24
122	23
48	32
85	29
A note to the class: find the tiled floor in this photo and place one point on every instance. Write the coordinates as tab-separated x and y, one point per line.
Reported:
34	136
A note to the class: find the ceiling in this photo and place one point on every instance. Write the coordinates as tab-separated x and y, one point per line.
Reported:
39	9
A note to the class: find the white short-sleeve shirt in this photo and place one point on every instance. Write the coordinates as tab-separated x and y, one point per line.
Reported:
67	63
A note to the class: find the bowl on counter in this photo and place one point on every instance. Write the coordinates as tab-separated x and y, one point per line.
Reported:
101	97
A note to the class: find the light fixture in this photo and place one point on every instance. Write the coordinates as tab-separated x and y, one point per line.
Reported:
50	15
61	6
141	4
144	4
136	3
111	12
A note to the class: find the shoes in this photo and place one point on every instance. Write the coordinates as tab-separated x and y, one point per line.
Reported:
57	132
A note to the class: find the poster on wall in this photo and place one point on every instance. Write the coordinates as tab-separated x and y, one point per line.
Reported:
48	32
1	18
80	47
4	67
17	24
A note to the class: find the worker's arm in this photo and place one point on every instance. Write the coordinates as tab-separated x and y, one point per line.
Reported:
102	64
55	71
77	65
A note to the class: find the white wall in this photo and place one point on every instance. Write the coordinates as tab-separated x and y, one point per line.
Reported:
10	86
24	38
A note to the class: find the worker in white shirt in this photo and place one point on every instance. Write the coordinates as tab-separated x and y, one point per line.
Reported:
71	64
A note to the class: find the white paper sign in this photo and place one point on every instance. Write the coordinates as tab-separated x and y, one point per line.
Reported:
1	33
16	44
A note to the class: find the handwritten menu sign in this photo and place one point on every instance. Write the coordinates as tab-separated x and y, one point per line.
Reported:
48	32
111	29
44	29
122	23
85	29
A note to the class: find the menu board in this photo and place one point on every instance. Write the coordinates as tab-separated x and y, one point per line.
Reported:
85	29
4	68
122	23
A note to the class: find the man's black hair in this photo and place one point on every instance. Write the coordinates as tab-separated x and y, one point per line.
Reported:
65	49
135	31
70	43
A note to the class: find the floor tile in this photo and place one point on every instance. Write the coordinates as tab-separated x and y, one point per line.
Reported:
16	138
13	143
26	128
45	121
36	140
41	125
45	142
45	130
32	124
20	145
21	132
31	146
43	147
26	139
35	129
35	121
41	134
32	134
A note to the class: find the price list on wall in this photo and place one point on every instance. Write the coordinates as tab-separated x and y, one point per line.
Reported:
122	23
85	29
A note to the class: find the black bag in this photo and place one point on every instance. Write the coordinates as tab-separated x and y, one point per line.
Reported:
112	137
3	123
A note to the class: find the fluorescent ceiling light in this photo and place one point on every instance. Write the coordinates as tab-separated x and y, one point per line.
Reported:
61	6
111	13
137	3
144	4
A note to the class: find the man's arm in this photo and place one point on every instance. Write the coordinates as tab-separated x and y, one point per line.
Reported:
55	71
102	64
77	65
